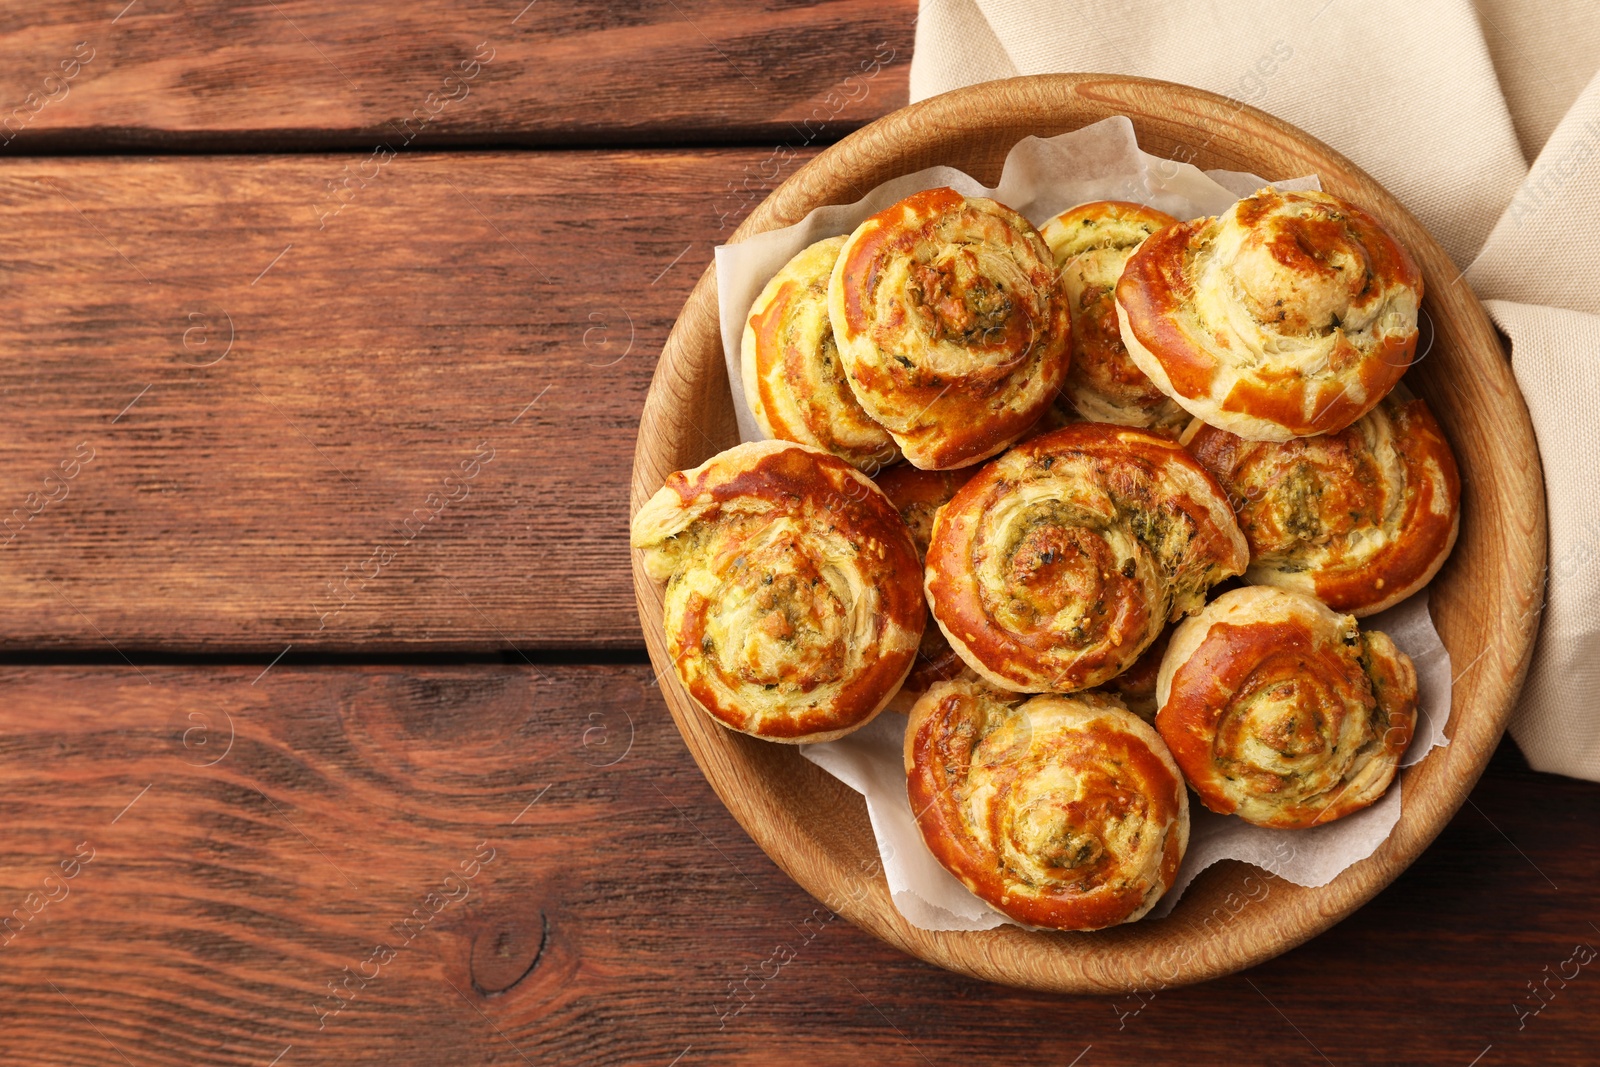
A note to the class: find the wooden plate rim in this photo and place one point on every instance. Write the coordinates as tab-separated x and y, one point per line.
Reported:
1232	917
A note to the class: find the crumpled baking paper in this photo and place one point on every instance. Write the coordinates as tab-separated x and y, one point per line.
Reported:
1043	177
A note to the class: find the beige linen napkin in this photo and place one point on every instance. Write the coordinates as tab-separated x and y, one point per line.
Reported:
1445	102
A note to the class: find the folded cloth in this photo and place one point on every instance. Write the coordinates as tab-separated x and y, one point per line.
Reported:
1444	102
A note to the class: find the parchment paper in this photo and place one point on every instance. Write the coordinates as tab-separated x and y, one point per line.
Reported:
1043	177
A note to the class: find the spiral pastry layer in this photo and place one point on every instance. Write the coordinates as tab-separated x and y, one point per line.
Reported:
1061	812
1058	563
1136	686
793	378
918	495
1288	315
1361	518
1282	711
950	324
1091	244
792	605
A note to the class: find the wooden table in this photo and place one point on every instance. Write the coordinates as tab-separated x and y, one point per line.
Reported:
327	731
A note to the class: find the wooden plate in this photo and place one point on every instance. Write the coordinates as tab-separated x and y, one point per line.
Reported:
1484	602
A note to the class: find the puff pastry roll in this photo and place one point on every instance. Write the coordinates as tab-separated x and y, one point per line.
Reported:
792	605
1058	563
1361	518
1290	314
793	378
1061	812
951	325
1136	686
918	495
1091	244
1281	711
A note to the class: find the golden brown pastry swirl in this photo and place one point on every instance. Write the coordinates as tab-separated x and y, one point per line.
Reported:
793	609
1091	244
1058	563
1281	711
1361	518
1061	812
1290	314
794	380
951	326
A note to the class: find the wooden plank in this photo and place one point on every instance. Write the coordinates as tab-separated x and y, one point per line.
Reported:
213	74
419	436
237	843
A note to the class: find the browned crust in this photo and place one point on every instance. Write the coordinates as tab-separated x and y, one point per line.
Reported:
1116	210
960	421
1117	766
1152	286
1235	657
1126	462
1348	479
917	495
1284	401
1388	257
767	325
1137	685
792	407
1098	354
885	232
1157	285
823	490
1394	687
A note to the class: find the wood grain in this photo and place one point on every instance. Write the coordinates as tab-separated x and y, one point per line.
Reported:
286	490
625	918
218	74
1485	602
